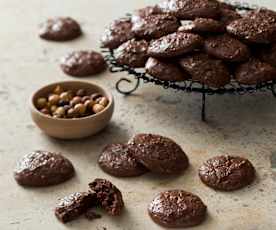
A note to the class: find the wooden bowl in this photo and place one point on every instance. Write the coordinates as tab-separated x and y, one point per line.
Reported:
72	128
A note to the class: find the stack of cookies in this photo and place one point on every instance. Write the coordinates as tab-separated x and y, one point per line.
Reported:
206	41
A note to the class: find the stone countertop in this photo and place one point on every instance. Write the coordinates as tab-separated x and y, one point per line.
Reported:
243	126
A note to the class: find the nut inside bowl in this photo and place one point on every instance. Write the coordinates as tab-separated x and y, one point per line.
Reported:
72	128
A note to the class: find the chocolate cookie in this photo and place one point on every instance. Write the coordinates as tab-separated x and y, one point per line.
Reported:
108	196
268	55
226	48
42	168
227	6
117	160
256	27
227	16
83	63
159	154
227	173
74	205
145	12
165	71
174	45
132	53
191	9
202	25
255	71
60	29
177	209
117	33
206	70
154	26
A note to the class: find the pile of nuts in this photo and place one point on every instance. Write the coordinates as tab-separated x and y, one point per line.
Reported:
68	104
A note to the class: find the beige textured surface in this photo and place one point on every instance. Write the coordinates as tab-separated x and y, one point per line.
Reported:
237	125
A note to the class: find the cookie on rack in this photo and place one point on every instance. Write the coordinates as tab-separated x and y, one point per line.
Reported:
118	160
177	209
174	45
191	9
132	53
268	54
154	26
254	72
256	27
226	48
227	173
117	33
145	12
201	25
165	70
159	154
208	71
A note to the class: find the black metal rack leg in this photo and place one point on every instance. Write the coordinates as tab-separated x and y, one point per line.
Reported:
203	109
127	92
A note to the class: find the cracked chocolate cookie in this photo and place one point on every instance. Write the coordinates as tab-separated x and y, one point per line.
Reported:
226	48
174	44
60	29
227	16
177	209
254	71
132	53
83	63
256	27
159	154
108	196
118	32
191	9
206	70
154	26
118	160
227	173
42	168
201	25
165	70
74	205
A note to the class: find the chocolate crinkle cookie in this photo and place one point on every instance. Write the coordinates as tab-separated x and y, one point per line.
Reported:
118	160
83	63
74	205
177	209
43	168
108	196
117	33
227	172
60	29
132	53
159	154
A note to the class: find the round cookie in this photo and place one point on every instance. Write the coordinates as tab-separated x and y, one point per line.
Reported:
256	27
83	63
226	48
132	53
60	29
268	55
227	16
154	26
206	70
117	160
159	154
201	25
118	32
165	71
177	209
42	168
191	9
174	44
255	71
227	173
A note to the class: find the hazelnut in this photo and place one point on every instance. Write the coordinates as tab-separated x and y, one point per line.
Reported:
94	96
45	111
81	93
85	98
89	104
75	100
41	103
58	90
97	108
53	108
71	113
66	96
103	101
60	112
53	99
80	108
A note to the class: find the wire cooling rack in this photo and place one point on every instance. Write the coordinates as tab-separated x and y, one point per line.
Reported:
189	86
